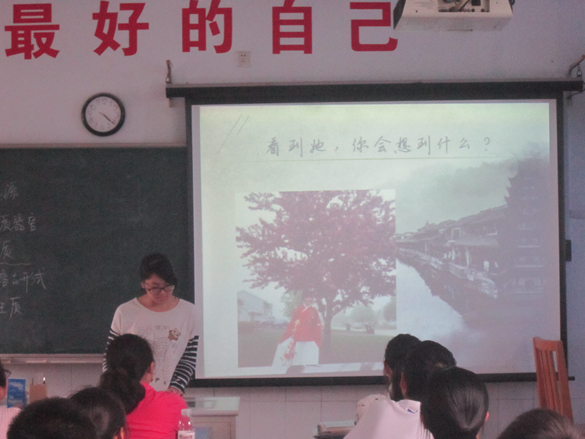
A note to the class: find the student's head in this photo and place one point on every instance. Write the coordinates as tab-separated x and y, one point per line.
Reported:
129	355
454	404
159	265
51	418
423	359
541	424
105	411
396	351
129	359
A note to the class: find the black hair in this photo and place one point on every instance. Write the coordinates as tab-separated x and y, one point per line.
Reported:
159	264
541	424
51	418
454	404
396	351
128	358
105	411
2	376
420	362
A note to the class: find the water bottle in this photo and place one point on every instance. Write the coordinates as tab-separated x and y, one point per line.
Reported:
185	428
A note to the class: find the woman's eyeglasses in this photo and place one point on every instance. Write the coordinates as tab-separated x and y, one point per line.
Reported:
158	290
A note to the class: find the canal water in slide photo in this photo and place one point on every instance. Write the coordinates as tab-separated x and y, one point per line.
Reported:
474	340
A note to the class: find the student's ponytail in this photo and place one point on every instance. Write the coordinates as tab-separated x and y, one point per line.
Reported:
128	358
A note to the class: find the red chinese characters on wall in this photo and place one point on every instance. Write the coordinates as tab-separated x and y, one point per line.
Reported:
285	21
33	31
385	21
200	26
107	24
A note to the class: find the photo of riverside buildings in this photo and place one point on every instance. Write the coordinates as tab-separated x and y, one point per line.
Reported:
490	258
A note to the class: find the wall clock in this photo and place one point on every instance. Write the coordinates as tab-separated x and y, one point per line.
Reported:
103	114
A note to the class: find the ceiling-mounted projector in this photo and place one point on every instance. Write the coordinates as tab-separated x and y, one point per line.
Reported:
459	15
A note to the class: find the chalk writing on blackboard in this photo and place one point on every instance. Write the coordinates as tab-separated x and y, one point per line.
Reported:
11	309
18	276
10	191
74	224
18	223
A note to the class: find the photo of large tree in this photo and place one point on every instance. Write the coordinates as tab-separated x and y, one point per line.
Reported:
339	246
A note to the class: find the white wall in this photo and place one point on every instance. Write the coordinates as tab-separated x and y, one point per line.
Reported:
41	100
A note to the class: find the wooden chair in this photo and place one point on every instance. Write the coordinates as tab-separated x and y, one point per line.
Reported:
551	376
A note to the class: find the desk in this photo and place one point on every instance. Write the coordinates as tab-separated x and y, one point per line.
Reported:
213	418
333	429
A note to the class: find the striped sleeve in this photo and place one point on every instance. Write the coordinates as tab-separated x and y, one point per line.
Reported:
111	336
186	367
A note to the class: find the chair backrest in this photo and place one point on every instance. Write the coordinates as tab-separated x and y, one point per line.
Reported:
551	376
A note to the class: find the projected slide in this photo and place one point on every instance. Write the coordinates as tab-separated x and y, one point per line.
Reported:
327	229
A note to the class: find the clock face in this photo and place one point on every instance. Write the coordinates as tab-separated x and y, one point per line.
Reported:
103	114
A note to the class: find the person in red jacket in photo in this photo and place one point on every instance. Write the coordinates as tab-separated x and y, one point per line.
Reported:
302	339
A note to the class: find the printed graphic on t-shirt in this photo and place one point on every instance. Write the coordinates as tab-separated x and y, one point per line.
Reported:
164	340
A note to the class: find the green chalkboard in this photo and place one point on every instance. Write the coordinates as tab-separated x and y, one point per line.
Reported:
74	225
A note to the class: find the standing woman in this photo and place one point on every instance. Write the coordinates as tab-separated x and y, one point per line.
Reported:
163	319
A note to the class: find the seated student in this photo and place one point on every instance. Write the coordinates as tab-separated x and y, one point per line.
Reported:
388	419
104	410
130	368
454	404
541	424
6	414
54	418
394	356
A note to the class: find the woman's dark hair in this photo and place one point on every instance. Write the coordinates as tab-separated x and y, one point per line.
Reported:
104	410
128	358
423	359
396	351
541	424
454	404
2	376
160	265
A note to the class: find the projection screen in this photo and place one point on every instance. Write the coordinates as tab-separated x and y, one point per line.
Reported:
323	229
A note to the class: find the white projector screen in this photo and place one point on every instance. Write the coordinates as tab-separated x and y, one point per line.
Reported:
434	218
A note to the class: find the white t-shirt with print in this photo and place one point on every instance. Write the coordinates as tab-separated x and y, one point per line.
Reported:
168	333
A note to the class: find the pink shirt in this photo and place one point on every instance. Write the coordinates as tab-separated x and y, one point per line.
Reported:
157	416
6	416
